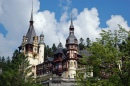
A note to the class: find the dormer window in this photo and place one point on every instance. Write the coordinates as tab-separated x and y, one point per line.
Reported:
26	39
33	38
75	40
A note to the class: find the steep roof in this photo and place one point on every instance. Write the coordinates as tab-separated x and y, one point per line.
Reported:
71	25
31	31
59	49
71	38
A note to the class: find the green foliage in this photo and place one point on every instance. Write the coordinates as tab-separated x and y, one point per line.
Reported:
110	53
81	44
54	47
17	72
48	51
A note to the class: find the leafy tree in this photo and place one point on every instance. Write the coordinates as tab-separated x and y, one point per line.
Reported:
110	54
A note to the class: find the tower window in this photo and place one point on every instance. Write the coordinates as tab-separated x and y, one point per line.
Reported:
33	38
35	49
71	64
41	39
71	46
75	41
75	64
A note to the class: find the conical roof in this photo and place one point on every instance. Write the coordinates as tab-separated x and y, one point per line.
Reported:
71	38
31	31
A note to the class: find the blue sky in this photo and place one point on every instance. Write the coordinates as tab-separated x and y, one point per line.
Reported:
106	8
53	18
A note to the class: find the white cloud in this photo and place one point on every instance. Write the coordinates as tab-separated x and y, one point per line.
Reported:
115	20
87	24
15	15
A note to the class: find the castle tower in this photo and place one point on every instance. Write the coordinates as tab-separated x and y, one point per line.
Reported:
29	44
41	49
72	49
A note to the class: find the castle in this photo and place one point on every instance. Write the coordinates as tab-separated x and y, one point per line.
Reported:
61	68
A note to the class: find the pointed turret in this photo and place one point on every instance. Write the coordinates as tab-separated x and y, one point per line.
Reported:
72	48
71	39
31	19
31	31
41	39
71	25
41	49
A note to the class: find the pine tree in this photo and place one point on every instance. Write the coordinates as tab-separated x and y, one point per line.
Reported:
18	72
81	44
54	47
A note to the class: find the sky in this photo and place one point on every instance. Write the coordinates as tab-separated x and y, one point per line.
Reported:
52	17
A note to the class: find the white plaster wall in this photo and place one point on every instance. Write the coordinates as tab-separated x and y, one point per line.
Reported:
41	53
65	74
72	69
32	60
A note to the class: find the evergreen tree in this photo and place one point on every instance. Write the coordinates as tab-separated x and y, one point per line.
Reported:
48	51
81	44
18	72
88	42
53	47
8	60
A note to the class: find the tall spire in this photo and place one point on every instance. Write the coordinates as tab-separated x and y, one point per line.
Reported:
31	31
31	19
71	25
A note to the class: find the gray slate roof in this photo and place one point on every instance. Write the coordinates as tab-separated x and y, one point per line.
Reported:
31	31
30	34
71	38
59	50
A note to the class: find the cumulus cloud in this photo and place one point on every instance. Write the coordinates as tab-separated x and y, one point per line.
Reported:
115	21
14	17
